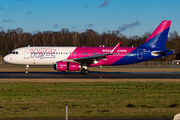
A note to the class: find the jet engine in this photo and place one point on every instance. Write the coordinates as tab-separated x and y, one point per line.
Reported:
66	66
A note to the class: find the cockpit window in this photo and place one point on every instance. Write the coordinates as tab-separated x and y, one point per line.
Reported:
14	52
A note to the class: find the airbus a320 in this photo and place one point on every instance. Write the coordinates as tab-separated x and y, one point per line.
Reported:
80	58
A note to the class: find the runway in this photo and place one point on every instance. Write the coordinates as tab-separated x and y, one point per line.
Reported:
92	74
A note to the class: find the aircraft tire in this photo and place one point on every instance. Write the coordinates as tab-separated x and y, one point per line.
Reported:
83	71
26	71
86	72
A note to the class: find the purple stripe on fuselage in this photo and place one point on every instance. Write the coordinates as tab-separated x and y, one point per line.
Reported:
90	51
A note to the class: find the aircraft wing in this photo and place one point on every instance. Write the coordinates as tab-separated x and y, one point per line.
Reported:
91	59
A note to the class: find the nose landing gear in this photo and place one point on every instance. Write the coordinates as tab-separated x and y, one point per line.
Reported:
26	71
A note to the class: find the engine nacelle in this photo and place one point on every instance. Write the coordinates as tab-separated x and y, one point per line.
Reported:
66	66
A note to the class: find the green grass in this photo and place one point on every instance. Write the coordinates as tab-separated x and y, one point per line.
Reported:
47	100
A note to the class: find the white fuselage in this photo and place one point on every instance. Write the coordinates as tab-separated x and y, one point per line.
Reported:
38	55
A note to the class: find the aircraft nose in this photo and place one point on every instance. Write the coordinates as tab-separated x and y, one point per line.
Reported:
7	59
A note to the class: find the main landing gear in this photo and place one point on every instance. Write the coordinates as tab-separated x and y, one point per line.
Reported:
27	67
84	71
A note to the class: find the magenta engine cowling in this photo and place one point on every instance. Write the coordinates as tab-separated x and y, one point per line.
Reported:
66	66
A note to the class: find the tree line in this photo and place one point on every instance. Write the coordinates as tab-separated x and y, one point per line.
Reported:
15	38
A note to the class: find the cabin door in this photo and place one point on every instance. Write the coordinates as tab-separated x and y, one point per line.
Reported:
139	54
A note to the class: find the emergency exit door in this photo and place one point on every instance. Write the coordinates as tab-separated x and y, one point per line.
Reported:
26	53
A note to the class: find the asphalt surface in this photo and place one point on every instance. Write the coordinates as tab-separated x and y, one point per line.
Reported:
92	74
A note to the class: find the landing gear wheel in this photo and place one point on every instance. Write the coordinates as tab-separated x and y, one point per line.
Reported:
27	67
83	71
86	72
26	71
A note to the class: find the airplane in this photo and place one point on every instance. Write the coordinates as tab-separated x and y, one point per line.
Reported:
80	58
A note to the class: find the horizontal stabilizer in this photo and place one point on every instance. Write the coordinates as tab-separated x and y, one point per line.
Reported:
163	53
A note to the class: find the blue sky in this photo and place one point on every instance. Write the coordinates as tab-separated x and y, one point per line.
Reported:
130	17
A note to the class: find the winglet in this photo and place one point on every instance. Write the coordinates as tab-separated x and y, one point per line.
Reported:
116	48
101	45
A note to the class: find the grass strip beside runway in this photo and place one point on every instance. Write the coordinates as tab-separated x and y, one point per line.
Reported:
106	98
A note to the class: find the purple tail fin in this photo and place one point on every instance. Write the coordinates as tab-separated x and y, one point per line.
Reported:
159	37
